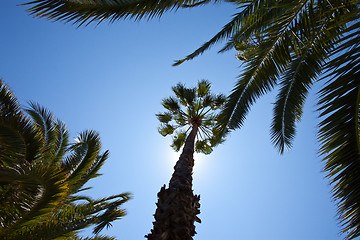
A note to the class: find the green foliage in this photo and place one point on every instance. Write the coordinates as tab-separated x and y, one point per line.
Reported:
281	43
42	174
292	44
166	129
178	140
82	12
192	107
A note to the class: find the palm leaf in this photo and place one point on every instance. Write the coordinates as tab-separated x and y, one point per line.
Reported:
311	48
84	162
203	147
51	192
171	104
339	106
164	117
166	129
247	9
203	88
53	133
86	11
17	133
178	140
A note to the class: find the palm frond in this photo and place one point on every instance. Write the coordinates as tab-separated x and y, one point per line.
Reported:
247	9
62	141
203	147
203	87
89	142
17	133
52	132
50	190
87	11
186	96
8	102
339	106
178	140
311	48
44	120
166	129
171	104
219	101
164	117
267	63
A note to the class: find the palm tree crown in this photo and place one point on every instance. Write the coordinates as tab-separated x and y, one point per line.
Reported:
42	175
192	107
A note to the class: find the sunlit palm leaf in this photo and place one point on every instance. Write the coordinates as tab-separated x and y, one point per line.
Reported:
50	192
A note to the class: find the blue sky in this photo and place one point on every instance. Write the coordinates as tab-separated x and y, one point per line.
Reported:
112	78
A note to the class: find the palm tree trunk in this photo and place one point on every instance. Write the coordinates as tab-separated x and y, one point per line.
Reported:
177	206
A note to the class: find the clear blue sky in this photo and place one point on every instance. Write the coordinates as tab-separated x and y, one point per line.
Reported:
112	78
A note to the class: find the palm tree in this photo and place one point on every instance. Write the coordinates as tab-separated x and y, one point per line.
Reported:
42	176
290	44
293	45
191	119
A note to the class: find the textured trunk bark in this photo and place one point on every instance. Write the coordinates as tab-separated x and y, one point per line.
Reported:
182	176
177	206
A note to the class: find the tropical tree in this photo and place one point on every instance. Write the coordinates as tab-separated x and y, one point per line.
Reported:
42	176
191	119
293	44
290	44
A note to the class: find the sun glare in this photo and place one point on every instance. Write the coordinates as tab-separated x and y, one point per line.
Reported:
171	157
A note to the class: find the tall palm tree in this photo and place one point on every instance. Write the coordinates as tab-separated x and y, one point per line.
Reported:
191	119
42	176
290	44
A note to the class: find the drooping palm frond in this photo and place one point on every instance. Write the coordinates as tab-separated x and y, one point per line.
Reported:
37	183
267	62
339	108
247	18
18	137
311	47
81	12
